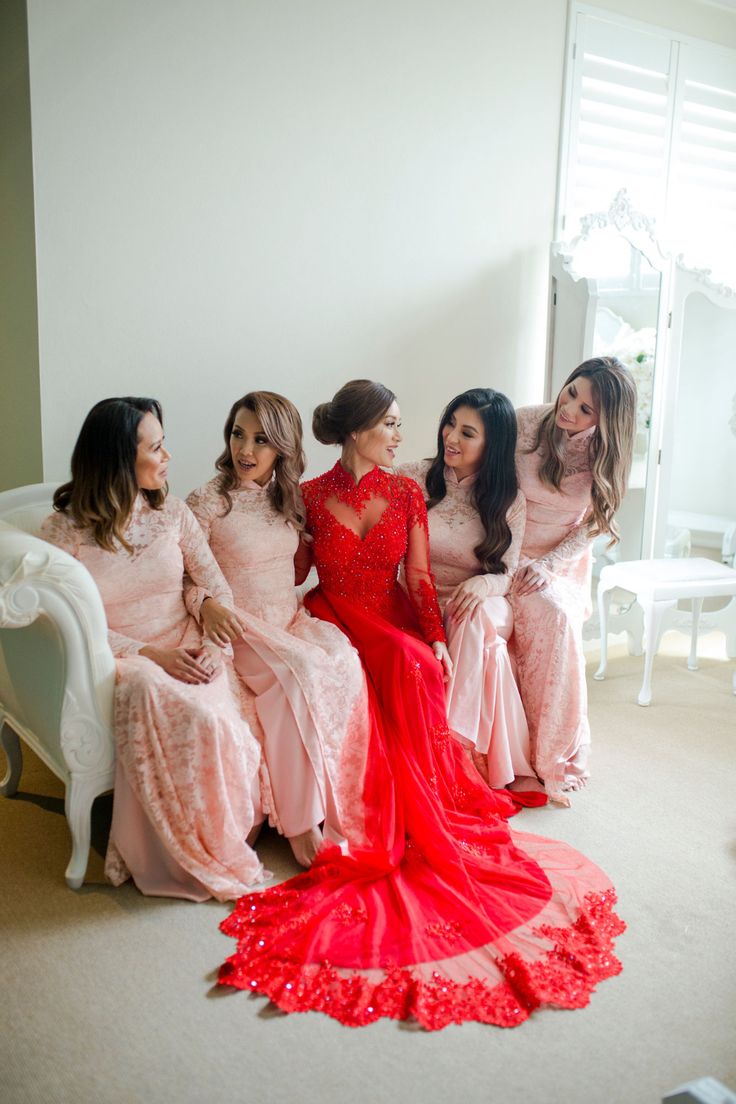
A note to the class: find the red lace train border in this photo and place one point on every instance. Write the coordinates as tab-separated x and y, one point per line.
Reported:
565	976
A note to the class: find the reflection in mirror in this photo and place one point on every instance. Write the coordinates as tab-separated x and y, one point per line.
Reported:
605	302
701	502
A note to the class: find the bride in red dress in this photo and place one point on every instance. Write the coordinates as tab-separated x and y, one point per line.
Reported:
433	908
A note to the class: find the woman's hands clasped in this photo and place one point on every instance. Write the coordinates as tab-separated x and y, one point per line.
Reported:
221	625
530	579
193	665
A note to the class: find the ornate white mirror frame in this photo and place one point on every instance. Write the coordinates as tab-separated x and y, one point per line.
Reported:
574	303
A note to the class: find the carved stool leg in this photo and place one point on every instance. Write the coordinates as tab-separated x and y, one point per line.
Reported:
635	630
729	620
80	793
653	617
14	753
692	662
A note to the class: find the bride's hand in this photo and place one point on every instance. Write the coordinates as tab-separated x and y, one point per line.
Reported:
442	656
221	625
466	598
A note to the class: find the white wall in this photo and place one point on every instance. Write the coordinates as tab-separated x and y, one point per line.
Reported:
287	194
273	193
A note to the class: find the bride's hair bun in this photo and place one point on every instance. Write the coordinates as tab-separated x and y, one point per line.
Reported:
359	404
323	425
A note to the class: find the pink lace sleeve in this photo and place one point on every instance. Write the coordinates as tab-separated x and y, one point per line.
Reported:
570	547
203	504
498	585
419	578
203	579
59	529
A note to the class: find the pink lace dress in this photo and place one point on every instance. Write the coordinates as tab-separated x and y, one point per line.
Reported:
483	702
307	679
186	784
548	624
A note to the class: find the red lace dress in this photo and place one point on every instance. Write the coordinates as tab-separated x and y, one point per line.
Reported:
436	911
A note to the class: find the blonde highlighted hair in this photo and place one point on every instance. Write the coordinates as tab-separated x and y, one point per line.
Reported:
611	445
283	428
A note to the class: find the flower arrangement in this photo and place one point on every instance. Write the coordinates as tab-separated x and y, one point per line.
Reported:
635	350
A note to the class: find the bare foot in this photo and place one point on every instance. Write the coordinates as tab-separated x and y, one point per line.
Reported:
254	833
574	782
559	798
306	845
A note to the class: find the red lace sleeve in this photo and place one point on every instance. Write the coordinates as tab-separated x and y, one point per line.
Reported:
419	578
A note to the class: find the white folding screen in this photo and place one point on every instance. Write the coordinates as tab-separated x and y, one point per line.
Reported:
655	113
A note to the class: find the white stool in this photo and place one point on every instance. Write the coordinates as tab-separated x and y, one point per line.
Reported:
658	585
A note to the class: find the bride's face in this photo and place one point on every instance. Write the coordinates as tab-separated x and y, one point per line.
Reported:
378	445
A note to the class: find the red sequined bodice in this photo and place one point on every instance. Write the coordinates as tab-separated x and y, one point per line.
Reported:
365	568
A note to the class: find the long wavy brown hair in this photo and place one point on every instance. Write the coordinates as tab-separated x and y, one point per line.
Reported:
103	487
496	484
611	446
283	428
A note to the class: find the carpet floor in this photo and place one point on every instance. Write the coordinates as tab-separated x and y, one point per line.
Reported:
109	998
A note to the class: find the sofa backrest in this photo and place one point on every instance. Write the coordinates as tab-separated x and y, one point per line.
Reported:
27	507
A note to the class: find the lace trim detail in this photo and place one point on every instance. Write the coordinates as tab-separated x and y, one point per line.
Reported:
566	975
428	611
375	484
365	569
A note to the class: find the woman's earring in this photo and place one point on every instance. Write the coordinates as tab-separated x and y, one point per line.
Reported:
354	436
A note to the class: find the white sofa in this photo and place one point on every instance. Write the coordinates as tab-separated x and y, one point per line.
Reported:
57	672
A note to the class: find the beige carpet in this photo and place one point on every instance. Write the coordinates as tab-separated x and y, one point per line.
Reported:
107	997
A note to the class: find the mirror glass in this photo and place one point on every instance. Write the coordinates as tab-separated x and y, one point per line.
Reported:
701	507
606	303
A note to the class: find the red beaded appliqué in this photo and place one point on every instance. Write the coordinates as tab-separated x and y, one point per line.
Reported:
565	975
366	569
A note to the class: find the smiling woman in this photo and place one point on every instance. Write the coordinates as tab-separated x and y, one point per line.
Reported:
306	680
573	460
432	909
186	783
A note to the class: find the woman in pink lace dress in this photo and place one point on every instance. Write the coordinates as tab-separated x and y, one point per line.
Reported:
476	522
307	679
186	784
573	458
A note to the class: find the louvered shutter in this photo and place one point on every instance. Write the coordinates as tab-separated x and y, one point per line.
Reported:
655	113
701	217
620	118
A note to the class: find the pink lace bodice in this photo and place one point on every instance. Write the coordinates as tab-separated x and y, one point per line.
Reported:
555	532
253	545
143	593
365	570
455	529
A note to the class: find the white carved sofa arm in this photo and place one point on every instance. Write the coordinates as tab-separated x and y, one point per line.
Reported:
57	673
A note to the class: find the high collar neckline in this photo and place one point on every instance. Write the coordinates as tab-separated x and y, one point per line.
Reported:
451	479
581	439
371	478
251	485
